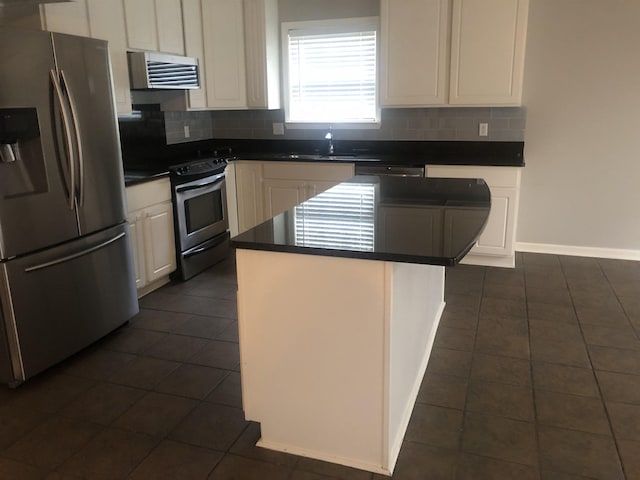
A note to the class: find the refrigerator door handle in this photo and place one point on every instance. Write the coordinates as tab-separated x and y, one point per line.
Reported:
76	129
67	133
73	256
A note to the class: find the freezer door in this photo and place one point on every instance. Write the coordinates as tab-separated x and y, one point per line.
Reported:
85	74
35	209
61	300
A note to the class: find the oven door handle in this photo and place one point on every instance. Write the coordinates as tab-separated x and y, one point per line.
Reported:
216	179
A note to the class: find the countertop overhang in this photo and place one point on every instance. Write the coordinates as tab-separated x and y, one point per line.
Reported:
432	221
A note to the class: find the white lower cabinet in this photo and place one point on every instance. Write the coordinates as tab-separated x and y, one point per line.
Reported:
152	233
496	245
257	191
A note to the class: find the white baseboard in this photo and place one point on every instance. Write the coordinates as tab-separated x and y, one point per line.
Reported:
576	251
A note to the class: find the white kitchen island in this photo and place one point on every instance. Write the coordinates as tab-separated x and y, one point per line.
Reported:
335	340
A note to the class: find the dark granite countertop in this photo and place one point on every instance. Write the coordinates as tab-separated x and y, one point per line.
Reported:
401	219
134	177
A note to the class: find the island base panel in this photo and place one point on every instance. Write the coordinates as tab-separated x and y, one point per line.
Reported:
333	351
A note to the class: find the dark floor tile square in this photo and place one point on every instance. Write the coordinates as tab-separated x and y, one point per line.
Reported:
228	392
619	337
443	391
543	277
625	420
626	288
233	467
459	320
630	458
551	475
49	393
211	426
472	467
16	421
203	326
177	348
416	460
52	442
556	331
10	469
217	354
564	379
551	313
193	381
302	475
531	260
177	461
499	307
614	317
589	294
500	438
455	338
615	359
97	364
230	334
469	302
102	403
245	446
504	276
190	304
564	352
159	320
111	455
504	292
553	296
444	361
503	336
156	414
131	340
331	470
144	372
435	426
562	410
619	387
631	306
579	453
500	399
494	368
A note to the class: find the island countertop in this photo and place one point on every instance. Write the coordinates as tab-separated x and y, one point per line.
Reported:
432	221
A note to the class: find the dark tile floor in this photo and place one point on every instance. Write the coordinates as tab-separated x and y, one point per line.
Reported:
535	374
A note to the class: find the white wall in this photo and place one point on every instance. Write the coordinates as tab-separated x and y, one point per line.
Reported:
580	186
302	10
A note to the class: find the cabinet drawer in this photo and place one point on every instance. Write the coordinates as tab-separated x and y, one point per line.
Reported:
494	176
308	171
149	193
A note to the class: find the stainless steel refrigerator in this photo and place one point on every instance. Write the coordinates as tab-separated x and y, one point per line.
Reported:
66	265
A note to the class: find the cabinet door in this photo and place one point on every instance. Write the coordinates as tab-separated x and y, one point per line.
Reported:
487	51
136	236
248	182
261	28
497	238
414	52
160	250
281	195
71	18
194	47
427	229
106	20
141	24
169	26
223	29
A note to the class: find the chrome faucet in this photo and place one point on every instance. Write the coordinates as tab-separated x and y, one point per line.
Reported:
329	136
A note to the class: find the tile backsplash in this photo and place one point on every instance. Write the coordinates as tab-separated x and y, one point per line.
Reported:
505	124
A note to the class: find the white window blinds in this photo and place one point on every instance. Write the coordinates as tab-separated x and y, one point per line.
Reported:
332	76
340	218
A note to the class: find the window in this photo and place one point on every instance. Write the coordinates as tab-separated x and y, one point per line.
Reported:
340	218
330	71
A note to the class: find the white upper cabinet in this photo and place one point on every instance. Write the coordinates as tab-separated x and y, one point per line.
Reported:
414	52
194	47
106	21
262	53
154	25
223	31
68	17
487	51
452	52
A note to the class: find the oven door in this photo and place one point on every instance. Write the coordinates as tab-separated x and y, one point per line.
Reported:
201	210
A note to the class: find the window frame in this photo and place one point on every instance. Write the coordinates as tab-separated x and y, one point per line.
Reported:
342	25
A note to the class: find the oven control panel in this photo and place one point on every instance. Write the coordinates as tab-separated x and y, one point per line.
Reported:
205	166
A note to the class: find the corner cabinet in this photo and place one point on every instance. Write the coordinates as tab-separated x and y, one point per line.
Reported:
496	245
150	217
258	191
452	52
